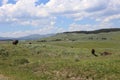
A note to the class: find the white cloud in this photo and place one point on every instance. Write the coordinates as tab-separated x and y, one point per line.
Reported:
25	12
76	9
44	30
87	27
4	2
23	9
107	19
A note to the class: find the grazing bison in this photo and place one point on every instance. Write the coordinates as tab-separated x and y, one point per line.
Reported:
15	42
105	53
93	52
30	43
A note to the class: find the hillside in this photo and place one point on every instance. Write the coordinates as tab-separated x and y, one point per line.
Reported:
5	39
103	34
61	60
97	31
65	56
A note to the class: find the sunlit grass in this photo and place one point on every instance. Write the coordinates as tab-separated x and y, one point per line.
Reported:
62	60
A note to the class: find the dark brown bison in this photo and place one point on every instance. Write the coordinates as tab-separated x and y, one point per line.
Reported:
105	53
15	42
30	43
93	52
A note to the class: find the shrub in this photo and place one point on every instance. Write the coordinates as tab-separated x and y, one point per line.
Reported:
42	41
21	61
4	53
77	58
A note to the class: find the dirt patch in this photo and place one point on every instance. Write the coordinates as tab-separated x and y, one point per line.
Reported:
2	77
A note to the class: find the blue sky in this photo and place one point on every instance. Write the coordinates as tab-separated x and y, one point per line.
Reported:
25	17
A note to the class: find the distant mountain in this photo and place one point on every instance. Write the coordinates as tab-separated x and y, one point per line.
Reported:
37	36
5	39
97	31
30	37
34	37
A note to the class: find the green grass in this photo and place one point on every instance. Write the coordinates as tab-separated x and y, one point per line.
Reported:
111	36
61	60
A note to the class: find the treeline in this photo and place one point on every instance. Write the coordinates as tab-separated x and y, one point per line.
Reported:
6	39
97	31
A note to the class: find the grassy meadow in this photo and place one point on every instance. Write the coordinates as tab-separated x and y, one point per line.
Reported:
68	58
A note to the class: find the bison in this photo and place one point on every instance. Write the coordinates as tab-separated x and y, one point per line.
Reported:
30	43
93	52
105	53
15	42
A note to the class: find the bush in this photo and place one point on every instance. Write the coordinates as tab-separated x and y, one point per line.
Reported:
21	61
77	59
4	53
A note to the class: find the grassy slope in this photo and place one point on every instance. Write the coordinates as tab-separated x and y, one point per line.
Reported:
81	37
63	60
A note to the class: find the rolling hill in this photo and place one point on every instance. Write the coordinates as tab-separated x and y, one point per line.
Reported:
34	37
29	37
97	31
102	34
5	39
66	57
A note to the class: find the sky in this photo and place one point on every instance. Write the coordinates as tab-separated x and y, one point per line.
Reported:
26	17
